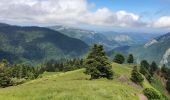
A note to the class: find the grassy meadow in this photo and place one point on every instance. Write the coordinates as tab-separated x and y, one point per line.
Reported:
75	85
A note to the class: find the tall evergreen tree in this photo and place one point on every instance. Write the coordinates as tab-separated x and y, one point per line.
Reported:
5	79
153	68
144	69
97	64
119	58
130	59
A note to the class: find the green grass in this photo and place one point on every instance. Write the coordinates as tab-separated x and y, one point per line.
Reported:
74	85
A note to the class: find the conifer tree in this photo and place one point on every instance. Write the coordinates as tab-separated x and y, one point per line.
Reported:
144	69
5	79
119	58
136	77
130	59
153	68
97	64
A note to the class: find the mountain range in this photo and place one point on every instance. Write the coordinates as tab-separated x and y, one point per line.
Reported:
37	44
110	39
157	49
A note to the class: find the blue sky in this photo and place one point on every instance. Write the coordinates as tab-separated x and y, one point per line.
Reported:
127	15
146	8
149	10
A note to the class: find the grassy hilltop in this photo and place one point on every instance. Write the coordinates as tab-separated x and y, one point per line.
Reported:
75	85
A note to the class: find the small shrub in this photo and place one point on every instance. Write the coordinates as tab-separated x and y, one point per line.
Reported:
16	81
152	94
136	76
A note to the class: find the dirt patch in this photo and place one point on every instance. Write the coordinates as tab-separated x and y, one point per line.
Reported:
134	85
142	97
123	78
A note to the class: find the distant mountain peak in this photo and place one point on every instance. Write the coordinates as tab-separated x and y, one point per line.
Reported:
150	43
164	37
165	57
4	24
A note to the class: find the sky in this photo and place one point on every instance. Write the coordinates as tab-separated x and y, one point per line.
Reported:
126	15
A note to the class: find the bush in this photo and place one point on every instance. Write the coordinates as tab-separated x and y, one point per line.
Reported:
152	94
16	81
136	76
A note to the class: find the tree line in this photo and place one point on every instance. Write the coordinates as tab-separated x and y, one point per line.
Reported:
14	74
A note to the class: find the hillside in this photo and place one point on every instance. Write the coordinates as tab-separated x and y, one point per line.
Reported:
158	49
75	85
129	38
37	44
88	36
109	39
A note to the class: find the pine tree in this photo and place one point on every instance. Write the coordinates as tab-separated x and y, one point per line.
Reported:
163	69
119	58
144	69
136	76
97	64
153	68
5	79
168	85
130	59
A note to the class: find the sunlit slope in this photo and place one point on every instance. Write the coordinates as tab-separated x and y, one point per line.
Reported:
75	85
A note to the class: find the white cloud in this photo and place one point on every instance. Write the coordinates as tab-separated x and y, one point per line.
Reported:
162	22
63	11
70	12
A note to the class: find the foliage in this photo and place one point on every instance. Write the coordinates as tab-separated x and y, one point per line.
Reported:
34	45
5	80
166	74
153	68
74	85
62	65
152	94
168	85
119	58
165	71
16	81
97	64
23	71
12	74
136	76
130	59
145	69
